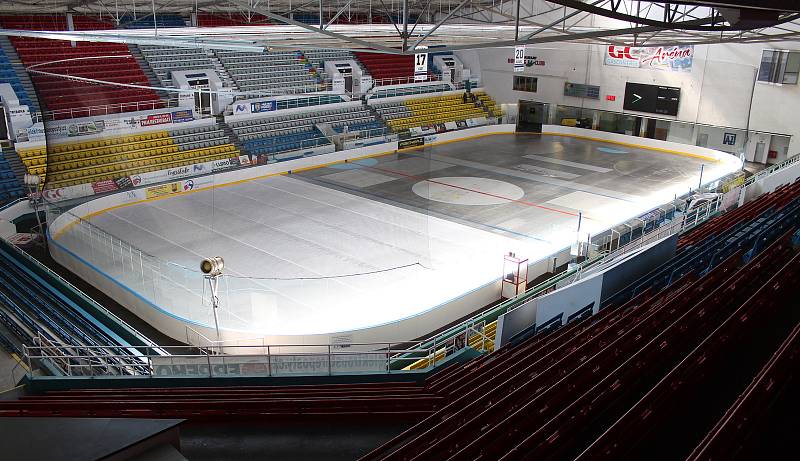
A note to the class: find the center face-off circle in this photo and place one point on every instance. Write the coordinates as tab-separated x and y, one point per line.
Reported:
462	190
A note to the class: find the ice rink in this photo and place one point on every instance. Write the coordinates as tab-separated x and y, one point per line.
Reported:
355	245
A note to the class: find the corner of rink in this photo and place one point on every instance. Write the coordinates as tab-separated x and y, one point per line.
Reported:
436	288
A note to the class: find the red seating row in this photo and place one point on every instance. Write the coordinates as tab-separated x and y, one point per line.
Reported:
732	435
398	401
751	209
701	376
387	66
108	62
44	22
574	392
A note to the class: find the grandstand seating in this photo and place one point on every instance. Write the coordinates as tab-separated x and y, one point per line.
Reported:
38	313
284	133
164	59
557	392
393	401
7	75
10	188
431	110
69	98
270	72
388	66
317	57
771	389
111	158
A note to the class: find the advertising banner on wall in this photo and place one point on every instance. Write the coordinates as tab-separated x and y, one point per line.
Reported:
670	58
156	119
263	106
180	116
111	126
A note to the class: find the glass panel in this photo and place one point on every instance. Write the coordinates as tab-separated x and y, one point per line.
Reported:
792	69
768	60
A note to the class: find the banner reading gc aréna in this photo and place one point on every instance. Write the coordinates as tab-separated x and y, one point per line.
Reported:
672	58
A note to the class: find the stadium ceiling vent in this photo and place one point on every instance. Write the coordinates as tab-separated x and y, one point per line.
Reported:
399	26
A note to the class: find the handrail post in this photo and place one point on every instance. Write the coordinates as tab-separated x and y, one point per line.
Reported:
269	362
28	356
330	371
149	361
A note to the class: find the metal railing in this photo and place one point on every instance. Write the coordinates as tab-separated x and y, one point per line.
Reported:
106	109
676	225
246	360
772	169
404	80
83	295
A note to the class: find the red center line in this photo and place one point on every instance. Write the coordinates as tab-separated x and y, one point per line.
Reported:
522	202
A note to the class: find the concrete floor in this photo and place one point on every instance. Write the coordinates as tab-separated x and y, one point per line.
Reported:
254	440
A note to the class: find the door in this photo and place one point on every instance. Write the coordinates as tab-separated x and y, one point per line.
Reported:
532	116
760	155
3	126
348	83
202	100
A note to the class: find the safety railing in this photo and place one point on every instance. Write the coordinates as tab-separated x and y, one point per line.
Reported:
106	109
676	225
364	134
242	360
381	93
772	169
77	291
406	79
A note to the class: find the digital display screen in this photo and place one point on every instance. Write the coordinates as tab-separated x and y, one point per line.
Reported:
655	99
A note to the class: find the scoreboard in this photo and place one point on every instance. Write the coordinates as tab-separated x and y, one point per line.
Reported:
655	99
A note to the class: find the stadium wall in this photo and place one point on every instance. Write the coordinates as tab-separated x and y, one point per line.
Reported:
716	91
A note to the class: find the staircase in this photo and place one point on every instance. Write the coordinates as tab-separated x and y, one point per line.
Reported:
152	78
234	139
169	98
15	163
22	74
223	74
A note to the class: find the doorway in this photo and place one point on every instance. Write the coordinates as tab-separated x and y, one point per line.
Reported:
532	115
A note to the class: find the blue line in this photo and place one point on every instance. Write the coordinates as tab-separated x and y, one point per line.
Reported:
120	284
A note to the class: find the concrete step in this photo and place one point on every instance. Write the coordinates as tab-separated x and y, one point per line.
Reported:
230	133
15	163
143	64
20	71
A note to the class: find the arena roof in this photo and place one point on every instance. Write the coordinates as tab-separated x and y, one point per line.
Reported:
449	24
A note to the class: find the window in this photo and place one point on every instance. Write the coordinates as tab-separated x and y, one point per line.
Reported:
779	67
525	84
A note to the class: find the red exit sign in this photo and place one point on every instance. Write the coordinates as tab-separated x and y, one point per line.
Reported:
611	97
